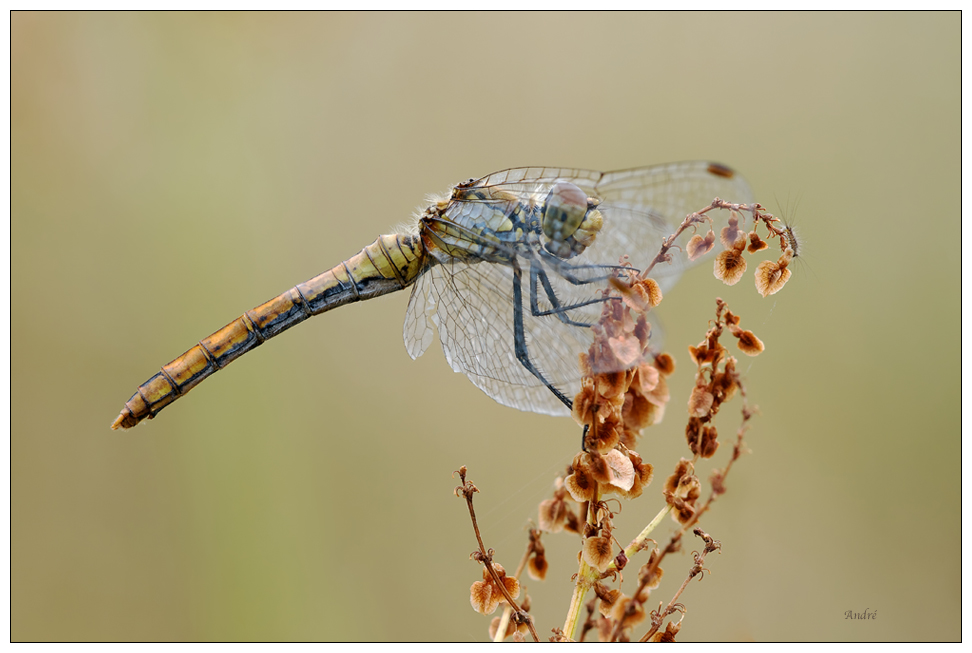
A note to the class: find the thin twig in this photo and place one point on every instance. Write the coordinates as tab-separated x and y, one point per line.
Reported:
508	610
657	618
466	490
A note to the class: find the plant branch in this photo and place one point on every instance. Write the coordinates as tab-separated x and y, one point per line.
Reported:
658	617
466	490
508	610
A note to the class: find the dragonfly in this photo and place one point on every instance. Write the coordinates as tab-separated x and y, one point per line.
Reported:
510	269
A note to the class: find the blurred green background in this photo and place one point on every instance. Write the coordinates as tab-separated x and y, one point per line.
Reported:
170	171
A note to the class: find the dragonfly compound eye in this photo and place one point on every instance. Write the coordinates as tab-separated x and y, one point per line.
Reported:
570	221
563	211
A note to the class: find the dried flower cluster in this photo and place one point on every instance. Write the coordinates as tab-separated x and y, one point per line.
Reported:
486	594
716	379
624	390
730	264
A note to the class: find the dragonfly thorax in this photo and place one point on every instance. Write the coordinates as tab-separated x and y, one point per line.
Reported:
570	220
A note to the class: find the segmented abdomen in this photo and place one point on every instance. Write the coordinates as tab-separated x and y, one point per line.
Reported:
390	263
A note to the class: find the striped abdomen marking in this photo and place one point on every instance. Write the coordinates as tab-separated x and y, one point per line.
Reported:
388	264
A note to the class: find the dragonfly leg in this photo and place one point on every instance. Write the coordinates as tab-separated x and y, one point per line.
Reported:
537	273
519	337
567	271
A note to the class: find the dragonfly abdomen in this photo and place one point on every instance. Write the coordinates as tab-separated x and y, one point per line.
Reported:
390	263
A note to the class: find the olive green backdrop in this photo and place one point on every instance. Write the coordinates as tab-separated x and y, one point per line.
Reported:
170	171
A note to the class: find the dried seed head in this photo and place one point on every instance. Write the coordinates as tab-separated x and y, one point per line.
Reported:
629	438
597	552
682	510
573	523
646	378
612	470
700	402
603	437
585	404
643	474
698	246
553	512
665	364
610	385
537	566
642	330
608	597
584	362
706	445
668	637
723	386
730	233
581	483
652	290
628	617
626	350
748	343
700	354
683	467
689	488
588	402
771	276
693	431
484	595
620	560
641	295
729	266
637	413
756	244
659	395
494	626
645	395
654	580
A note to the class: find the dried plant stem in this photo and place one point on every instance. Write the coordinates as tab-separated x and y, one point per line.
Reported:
638	543
586	576
508	610
657	618
699	216
486	555
584	583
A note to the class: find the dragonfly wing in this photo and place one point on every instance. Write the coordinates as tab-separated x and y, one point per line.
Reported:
472	304
641	206
675	189
669	191
474	315
659	197
644	205
418	318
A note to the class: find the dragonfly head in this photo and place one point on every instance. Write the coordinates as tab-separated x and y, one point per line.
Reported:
570	220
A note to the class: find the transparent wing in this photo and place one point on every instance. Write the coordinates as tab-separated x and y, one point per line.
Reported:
641	206
472	304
